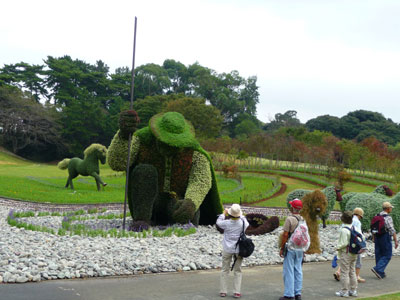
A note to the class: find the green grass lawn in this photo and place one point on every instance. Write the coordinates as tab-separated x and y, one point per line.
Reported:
252	188
45	183
292	184
21	179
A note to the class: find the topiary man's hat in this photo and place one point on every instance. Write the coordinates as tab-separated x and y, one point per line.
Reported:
171	128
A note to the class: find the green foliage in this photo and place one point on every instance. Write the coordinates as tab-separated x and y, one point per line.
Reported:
28	128
331	197
296	194
371	203
142	192
345	198
288	119
242	154
174	130
89	166
206	119
63	165
395	201
343	177
246	128
150	106
359	125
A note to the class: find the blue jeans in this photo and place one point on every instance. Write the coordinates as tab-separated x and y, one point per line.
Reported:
383	252
293	273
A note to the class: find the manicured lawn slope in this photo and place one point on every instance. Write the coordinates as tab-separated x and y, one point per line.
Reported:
21	179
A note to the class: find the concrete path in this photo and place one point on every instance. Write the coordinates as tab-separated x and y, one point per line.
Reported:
263	282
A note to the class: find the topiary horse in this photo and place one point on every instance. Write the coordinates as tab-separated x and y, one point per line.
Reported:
89	166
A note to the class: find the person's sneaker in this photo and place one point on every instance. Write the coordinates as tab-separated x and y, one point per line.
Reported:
222	294
376	273
237	295
342	294
353	294
286	298
297	297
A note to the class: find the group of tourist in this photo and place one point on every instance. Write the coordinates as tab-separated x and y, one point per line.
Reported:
348	273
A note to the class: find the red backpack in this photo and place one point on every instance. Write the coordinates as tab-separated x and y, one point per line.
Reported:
378	224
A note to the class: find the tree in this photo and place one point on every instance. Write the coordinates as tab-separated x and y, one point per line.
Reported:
150	80
148	107
245	128
206	119
28	128
83	123
288	119
325	123
27	77
178	75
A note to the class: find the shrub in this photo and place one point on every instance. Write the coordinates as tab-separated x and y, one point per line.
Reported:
371	203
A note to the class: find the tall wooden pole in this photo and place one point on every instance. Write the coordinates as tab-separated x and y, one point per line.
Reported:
130	135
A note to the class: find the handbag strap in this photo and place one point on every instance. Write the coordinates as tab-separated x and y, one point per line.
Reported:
237	243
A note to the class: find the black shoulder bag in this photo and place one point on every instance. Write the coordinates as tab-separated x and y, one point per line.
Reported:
246	246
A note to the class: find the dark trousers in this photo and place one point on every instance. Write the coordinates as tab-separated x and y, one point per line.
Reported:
383	252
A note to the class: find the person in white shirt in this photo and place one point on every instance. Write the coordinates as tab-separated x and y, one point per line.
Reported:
232	223
358	214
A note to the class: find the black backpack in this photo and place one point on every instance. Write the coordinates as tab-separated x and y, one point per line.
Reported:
357	242
378	224
246	246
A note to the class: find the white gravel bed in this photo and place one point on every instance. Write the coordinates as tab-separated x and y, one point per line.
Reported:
35	256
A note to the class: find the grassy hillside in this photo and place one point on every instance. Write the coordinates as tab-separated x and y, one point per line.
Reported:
22	179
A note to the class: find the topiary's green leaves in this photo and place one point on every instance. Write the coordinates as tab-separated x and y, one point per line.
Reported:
371	203
345	198
395	201
95	148
117	153
184	211
200	180
330	194
63	164
296	194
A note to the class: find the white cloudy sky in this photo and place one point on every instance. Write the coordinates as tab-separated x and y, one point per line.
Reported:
313	56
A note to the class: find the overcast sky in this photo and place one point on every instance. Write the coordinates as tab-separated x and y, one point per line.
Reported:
316	57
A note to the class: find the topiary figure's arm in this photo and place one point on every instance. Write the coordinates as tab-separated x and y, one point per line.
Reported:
199	179
117	153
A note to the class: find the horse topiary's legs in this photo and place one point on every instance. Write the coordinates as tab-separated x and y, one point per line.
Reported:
98	180
143	190
70	182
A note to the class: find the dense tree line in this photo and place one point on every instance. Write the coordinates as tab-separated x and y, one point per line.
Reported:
358	125
57	109
84	101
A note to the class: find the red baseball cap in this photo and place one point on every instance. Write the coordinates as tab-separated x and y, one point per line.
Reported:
296	203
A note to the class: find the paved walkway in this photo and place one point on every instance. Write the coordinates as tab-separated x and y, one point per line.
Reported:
263	282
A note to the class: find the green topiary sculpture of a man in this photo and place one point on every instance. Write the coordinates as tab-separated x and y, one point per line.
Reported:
172	179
